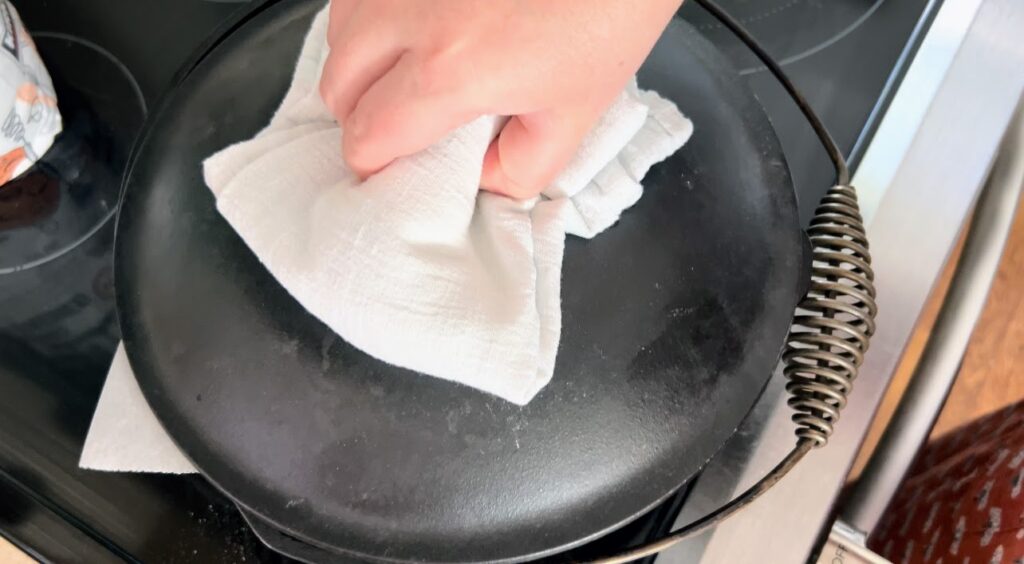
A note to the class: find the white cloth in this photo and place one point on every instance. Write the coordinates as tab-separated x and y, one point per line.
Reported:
415	265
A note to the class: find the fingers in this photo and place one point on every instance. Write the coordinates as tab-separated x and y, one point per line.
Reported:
404	112
337	17
532	149
349	72
393	102
358	58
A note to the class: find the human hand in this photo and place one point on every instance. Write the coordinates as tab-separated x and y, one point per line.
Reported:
403	73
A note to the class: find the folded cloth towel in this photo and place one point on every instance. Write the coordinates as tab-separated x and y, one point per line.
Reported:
414	266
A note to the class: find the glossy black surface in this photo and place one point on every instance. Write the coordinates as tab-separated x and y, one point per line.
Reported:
58	327
841	54
652	525
80	175
655	369
73	189
62	513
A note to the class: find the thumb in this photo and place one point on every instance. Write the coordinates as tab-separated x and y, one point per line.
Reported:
533	148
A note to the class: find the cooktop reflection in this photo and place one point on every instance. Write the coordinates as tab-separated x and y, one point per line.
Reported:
789	29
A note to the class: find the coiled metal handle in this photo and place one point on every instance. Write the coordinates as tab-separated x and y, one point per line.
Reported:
834	322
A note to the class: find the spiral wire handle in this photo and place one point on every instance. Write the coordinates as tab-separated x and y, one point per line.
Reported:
831	328
834	321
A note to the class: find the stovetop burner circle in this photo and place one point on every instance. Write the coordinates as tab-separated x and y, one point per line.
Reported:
790	30
72	191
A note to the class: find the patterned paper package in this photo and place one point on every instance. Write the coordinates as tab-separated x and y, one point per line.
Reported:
29	118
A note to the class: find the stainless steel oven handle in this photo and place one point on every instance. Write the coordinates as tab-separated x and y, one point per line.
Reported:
940	361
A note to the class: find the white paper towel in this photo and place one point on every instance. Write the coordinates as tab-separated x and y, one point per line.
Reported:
452	282
125	435
415	265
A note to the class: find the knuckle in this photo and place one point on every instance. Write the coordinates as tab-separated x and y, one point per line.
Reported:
346	46
341	59
326	94
531	177
437	75
358	145
356	155
522	188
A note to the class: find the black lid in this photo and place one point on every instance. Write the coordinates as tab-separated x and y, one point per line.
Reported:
672	324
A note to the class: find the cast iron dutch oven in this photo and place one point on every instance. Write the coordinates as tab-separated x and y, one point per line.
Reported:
673	322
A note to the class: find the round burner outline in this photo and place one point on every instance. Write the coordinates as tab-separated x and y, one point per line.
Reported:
747	69
104	219
102	51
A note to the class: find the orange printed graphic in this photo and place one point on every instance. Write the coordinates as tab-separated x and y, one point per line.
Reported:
30	94
9	162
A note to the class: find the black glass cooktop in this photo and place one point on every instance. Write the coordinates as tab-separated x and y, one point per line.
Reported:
111	60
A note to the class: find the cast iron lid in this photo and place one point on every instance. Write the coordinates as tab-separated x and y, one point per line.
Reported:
673	322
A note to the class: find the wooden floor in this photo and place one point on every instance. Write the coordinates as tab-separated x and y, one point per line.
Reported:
992	375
